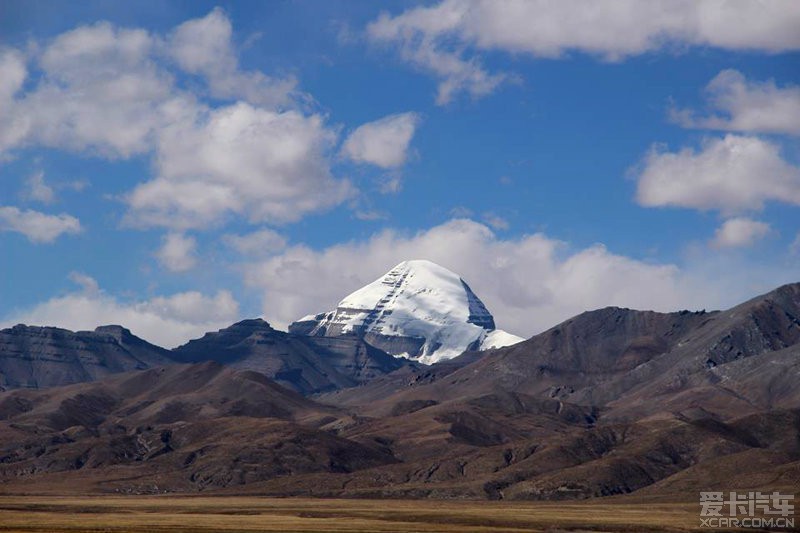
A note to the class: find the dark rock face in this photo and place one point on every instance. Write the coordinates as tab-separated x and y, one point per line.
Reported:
478	314
37	357
305	364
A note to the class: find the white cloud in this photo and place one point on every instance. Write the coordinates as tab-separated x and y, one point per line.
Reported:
100	91
746	106
37	189
165	320
421	33
437	38
110	91
204	46
529	283
116	93
731	174
194	307
38	227
258	243
384	142
178	252
268	166
739	232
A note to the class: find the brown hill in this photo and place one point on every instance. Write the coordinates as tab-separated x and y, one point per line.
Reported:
611	402
183	427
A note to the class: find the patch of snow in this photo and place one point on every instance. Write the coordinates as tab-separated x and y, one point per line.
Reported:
498	339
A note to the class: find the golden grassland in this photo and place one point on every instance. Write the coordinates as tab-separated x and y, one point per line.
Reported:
174	514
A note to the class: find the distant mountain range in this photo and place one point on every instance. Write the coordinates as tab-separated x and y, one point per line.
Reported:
612	401
418	311
40	357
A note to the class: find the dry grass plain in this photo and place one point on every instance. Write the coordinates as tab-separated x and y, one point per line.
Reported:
162	514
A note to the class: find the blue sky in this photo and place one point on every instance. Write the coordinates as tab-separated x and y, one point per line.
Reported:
176	166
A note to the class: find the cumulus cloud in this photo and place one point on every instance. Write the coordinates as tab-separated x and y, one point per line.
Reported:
204	46
38	190
100	91
438	38
239	159
258	243
384	142
529	283
117	93
109	90
38	227
731	174
178	252
164	320
739	232
749	106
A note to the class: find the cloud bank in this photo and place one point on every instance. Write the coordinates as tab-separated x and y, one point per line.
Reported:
529	283
445	38
164	320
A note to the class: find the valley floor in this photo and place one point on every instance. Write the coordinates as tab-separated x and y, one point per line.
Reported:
139	514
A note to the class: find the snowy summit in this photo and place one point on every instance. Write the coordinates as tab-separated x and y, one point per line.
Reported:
418	310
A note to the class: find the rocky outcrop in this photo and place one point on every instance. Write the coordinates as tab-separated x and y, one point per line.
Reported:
37	357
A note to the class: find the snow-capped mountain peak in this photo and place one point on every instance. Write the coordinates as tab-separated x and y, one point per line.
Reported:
418	310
